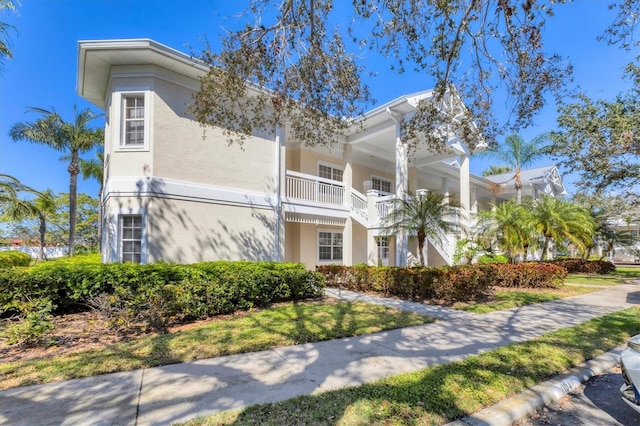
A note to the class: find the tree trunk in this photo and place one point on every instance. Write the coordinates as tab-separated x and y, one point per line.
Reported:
518	186
547	247
421	238
74	170
43	231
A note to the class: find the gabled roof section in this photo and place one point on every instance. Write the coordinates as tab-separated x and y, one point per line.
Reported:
546	179
97	57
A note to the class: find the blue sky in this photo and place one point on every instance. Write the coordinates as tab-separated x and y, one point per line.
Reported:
43	71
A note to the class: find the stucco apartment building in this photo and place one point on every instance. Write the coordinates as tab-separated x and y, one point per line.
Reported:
172	192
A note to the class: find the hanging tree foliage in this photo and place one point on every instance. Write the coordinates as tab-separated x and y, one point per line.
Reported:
290	64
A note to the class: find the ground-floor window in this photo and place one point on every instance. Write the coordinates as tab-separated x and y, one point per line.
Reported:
329	245
383	248
131	238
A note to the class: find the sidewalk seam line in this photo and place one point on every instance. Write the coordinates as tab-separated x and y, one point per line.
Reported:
139	397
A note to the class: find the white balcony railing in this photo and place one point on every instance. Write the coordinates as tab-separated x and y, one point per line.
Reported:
384	206
359	205
305	187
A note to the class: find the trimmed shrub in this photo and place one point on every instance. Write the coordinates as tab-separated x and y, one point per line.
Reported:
9	259
462	282
493	258
525	275
449	284
581	266
161	291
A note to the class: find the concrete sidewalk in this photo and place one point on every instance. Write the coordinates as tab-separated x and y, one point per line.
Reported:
163	395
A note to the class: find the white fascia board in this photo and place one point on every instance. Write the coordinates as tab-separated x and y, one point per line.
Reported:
188	191
298	206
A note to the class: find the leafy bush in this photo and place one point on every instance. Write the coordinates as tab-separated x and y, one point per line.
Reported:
581	266
12	258
454	283
160	292
34	322
493	258
462	282
525	275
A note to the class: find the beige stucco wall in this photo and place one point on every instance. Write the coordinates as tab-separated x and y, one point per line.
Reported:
359	244
180	152
187	231
292	242
362	173
307	160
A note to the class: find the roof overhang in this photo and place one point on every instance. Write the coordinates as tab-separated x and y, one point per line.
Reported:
97	57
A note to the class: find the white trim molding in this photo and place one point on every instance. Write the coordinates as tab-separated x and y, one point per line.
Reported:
152	187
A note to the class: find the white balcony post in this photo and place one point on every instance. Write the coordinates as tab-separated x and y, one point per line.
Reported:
402	177
374	218
347	234
465	192
280	179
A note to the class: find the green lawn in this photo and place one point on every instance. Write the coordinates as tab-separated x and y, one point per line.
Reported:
284	325
439	394
501	299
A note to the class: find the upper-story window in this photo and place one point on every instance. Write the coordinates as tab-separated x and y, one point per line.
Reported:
381	185
133	120
329	172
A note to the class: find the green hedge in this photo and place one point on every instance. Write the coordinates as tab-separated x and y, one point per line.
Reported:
454	283
9	259
581	266
525	275
193	291
462	282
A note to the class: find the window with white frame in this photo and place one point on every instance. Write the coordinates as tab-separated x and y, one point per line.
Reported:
329	245
329	172
383	248
133	120
131	238
381	185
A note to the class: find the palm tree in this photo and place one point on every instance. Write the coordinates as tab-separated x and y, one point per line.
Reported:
9	188
517	154
73	138
94	169
427	214
5	46
507	225
558	220
39	208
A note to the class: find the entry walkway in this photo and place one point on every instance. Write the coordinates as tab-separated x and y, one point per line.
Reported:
163	395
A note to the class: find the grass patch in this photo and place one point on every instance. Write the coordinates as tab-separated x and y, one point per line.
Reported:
284	325
597	279
500	299
440	394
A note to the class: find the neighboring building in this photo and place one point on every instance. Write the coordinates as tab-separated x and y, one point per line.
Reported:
172	194
535	182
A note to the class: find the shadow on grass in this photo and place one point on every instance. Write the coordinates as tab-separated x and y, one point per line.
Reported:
442	393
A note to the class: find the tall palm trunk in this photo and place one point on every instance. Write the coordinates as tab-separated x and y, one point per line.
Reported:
547	248
421	239
74	170
43	232
518	187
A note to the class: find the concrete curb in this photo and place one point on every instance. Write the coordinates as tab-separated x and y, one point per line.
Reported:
506	412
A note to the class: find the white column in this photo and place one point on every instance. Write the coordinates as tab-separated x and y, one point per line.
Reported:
372	213
278	231
402	180
465	192
445	187
347	234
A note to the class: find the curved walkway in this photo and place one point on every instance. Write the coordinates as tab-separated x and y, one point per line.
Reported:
163	395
